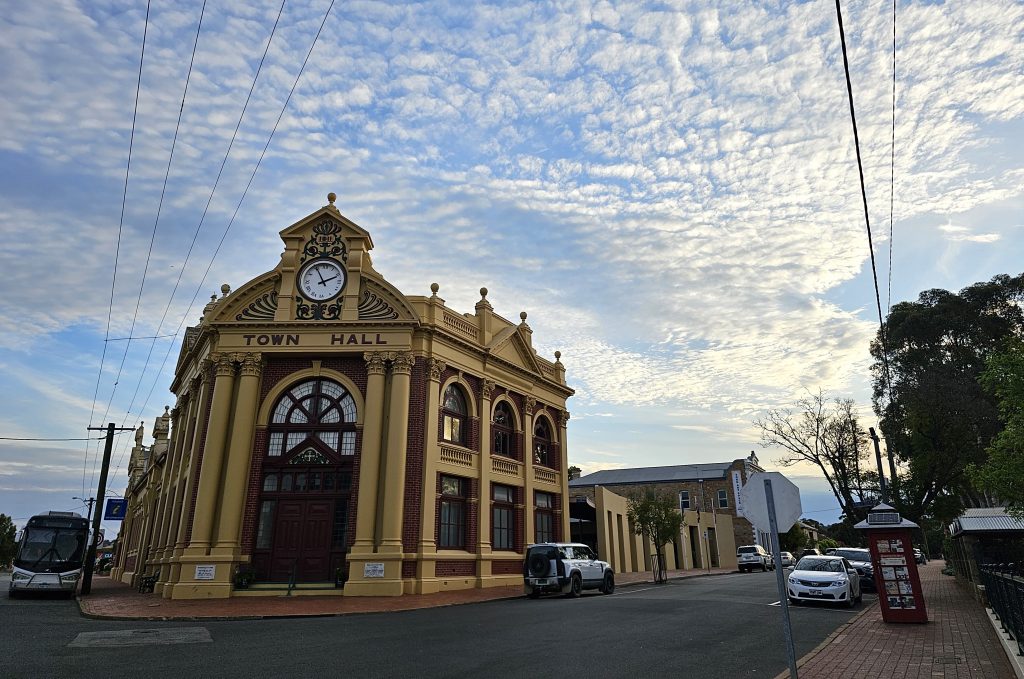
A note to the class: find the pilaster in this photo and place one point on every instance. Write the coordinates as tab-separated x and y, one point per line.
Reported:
426	582
529	533
483	540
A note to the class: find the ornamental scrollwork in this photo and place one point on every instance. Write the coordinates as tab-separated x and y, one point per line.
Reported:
435	367
375	362
402	363
531	403
317	311
487	389
325	241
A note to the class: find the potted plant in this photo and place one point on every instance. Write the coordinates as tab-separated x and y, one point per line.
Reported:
339	577
243	577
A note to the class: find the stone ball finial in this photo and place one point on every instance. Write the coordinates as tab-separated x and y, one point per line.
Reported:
558	356
167	410
522	316
434	287
225	289
483	293
331	198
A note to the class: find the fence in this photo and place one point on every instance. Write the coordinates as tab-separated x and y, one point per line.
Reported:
1004	589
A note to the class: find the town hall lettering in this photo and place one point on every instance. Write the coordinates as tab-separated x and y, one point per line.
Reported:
293	340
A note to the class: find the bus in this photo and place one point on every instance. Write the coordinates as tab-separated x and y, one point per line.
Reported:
50	554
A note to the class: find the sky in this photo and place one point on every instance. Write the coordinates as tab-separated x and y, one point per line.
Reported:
669	189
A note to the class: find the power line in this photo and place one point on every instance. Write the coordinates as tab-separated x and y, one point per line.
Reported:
17	438
892	162
117	251
152	237
195	235
259	161
864	198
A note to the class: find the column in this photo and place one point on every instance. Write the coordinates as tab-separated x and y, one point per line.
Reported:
183	496
484	500
213	455
182	436
529	534
377	570
563	451
398	437
236	480
426	582
167	489
369	455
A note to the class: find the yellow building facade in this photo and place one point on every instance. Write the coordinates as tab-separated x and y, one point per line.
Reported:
330	429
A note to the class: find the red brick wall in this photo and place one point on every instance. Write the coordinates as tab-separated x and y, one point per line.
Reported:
408	569
506	567
418	385
454	569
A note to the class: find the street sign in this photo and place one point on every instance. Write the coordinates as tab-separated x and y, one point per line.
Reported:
755	503
115	510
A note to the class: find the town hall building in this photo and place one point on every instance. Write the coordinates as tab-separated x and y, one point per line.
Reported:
329	429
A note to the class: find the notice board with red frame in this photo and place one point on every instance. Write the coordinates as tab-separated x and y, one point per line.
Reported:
896	575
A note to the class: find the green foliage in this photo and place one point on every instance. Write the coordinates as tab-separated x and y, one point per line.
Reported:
1002	475
936	416
574	472
827	543
655	517
7	545
845	534
794	540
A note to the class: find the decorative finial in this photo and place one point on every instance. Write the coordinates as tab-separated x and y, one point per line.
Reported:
483	293
213	297
167	411
522	316
434	287
225	289
331	198
558	356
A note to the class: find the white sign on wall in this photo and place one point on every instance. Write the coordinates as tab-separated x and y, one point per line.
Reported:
206	572
373	570
737	486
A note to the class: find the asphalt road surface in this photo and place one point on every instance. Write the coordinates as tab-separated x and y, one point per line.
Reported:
721	626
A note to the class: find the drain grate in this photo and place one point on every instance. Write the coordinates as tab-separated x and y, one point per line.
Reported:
949	659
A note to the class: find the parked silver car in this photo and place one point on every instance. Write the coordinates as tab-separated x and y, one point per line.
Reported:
754	557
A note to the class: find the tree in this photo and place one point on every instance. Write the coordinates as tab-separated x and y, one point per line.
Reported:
794	540
574	472
824	433
656	517
7	544
1002	474
936	416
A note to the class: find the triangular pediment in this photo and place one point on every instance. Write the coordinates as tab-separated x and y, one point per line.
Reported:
350	229
509	345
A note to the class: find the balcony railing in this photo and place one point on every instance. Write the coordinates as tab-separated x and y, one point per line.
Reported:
457	456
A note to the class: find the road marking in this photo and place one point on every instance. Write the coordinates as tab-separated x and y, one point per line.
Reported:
143	637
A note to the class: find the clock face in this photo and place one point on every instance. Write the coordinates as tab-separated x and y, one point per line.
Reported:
322	279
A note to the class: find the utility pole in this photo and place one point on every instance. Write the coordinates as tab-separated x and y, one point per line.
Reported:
878	461
100	493
89	502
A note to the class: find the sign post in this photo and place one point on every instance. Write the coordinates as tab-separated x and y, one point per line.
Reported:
772	504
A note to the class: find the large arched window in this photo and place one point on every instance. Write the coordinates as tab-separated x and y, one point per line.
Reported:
503	429
542	443
318	410
455	415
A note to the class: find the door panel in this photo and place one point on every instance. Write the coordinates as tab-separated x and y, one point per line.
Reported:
314	561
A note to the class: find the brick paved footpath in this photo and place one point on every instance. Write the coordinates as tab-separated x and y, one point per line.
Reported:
958	641
114	600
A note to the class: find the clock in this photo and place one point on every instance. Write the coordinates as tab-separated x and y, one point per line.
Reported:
322	279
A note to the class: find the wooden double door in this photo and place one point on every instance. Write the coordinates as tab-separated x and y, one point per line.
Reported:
302	540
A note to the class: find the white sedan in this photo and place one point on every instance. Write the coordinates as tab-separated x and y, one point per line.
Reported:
824	578
786	559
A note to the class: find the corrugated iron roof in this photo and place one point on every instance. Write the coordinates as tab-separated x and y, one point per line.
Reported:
986	519
682	472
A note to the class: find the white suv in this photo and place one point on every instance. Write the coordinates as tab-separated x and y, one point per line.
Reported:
566	567
749	557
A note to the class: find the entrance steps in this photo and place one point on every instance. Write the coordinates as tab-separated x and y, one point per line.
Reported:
298	589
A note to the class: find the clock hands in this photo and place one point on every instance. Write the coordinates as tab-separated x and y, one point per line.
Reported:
322	281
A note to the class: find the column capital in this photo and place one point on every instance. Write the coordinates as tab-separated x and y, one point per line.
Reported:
563	417
435	368
375	362
252	364
225	364
530	404
402	362
488	389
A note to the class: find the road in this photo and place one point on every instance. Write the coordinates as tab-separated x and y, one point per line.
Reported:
721	626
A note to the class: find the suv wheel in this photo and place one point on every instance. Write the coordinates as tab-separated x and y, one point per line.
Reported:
534	593
609	584
764	567
850	602
575	585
